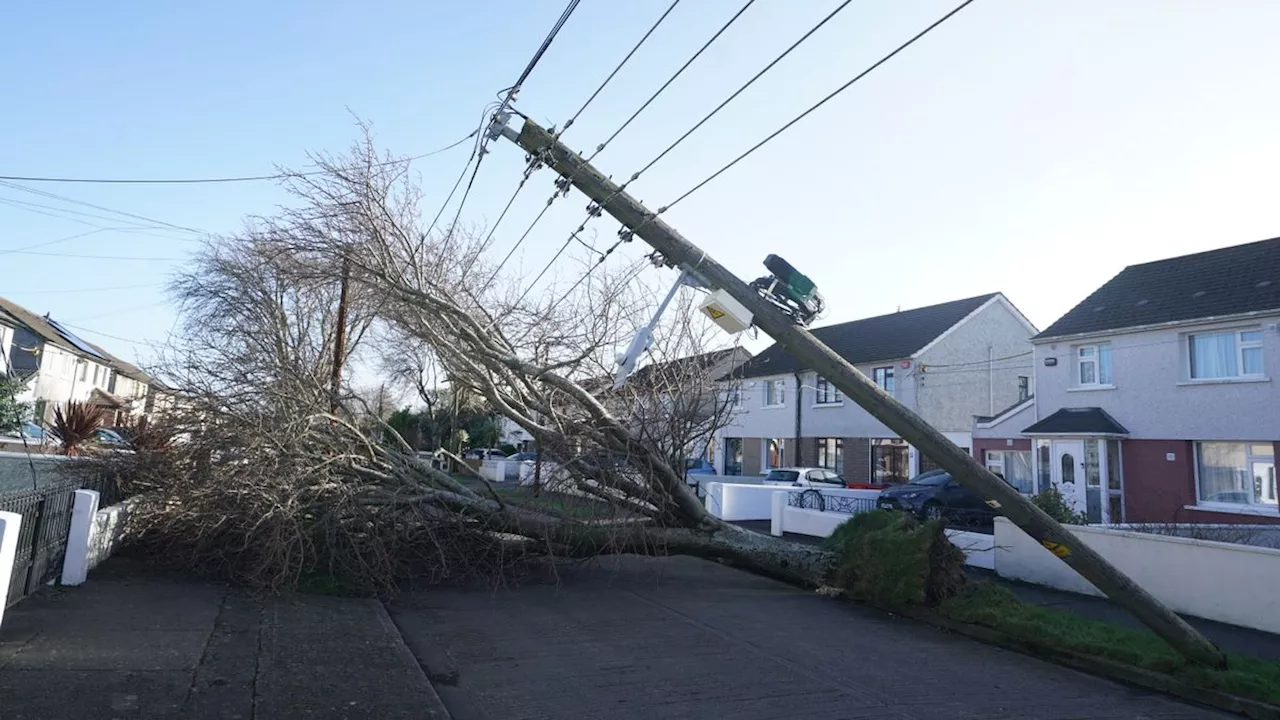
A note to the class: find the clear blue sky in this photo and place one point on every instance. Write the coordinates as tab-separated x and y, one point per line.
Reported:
1029	147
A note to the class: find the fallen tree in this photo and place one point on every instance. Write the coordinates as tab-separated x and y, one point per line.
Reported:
269	486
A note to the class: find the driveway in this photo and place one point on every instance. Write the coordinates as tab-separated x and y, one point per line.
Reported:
683	638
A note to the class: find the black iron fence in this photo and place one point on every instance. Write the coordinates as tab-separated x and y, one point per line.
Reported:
46	522
815	499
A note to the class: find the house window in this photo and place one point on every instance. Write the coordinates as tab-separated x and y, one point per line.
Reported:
1093	364
775	393
831	454
1237	353
827	394
883	376
775	450
84	371
1014	467
1024	387
1236	473
889	461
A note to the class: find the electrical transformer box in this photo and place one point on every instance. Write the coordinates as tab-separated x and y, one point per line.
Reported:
726	312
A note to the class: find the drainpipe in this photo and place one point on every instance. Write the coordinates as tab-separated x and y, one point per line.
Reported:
799	460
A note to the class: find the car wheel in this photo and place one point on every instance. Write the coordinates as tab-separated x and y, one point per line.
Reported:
932	511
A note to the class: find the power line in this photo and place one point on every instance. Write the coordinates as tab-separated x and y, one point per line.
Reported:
33	207
822	102
475	150
743	88
609	79
51	242
121	311
672	79
94	257
68	291
615	134
537	55
624	234
97	332
506	101
122	213
980	362
545	268
210	180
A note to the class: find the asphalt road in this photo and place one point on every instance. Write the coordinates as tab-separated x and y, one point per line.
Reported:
648	638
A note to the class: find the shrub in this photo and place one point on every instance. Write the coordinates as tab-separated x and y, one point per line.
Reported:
1056	507
76	426
889	559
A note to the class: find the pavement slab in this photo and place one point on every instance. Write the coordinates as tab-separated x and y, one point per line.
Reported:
682	638
129	645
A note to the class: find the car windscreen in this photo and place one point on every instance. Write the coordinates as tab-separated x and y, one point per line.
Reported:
782	476
932	480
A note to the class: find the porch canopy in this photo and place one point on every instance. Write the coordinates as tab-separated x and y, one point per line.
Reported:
1087	421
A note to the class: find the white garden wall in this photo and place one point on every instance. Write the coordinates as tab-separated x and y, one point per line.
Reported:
736	501
979	548
815	523
1229	583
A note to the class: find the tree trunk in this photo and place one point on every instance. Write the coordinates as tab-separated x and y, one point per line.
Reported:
792	562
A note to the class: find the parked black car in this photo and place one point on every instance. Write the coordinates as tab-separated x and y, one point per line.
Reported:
935	494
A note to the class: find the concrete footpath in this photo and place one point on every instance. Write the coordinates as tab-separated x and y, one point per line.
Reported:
129	644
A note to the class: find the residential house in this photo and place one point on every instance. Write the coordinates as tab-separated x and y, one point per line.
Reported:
60	366
1156	398
511	433
946	362
8	327
675	401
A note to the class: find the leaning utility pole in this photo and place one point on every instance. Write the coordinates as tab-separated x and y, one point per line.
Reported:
679	252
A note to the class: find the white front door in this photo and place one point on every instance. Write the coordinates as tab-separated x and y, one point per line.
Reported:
1068	473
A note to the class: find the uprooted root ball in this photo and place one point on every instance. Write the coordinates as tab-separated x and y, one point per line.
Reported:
890	559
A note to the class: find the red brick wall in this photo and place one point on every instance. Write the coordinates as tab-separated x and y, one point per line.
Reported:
751	456
1157	490
857	460
982	445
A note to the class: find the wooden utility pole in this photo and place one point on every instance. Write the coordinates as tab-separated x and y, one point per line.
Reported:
812	354
340	338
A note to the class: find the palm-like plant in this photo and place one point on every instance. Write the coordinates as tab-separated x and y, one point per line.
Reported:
76	425
146	435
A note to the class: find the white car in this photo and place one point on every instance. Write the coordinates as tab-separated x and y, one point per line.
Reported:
804	477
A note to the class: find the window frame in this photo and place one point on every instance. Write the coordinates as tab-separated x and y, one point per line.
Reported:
1024	388
1254	505
825	394
996	461
782	454
883	378
1241	345
825	449
779	392
1095	359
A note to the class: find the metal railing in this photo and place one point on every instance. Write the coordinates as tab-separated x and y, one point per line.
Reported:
815	499
46	522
